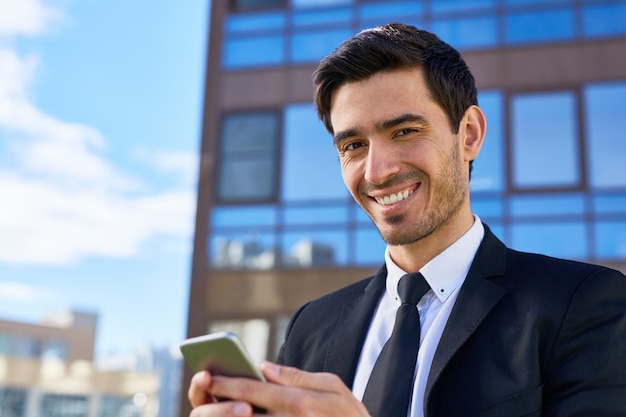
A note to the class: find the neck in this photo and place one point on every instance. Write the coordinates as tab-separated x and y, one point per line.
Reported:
412	257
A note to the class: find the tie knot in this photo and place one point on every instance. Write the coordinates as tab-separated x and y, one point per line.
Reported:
412	288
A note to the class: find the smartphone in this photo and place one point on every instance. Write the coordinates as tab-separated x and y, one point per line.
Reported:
220	353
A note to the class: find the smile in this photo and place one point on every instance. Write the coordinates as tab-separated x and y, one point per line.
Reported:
394	198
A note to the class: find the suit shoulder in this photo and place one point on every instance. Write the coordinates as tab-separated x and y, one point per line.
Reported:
340	296
526	261
323	311
545	271
311	326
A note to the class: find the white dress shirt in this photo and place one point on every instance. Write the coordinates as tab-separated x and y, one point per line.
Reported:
445	275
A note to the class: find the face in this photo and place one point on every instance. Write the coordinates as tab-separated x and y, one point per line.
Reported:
399	158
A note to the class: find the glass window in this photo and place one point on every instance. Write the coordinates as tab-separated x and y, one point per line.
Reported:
497	229
240	5
369	247
311	168
5	344
12	402
26	347
314	248
254	22
563	239
313	46
322	17
113	406
58	405
361	216
247	162
551	25
316	215
544	140
487	208
606	143
254	249
609	203
546	205
243	216
390	10
605	20
254	51
532	2
318	3
442	6
488	171
54	349
473	32
611	239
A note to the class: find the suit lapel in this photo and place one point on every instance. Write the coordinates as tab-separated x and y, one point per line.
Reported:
476	298
344	348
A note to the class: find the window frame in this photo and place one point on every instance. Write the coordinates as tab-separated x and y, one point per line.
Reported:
276	155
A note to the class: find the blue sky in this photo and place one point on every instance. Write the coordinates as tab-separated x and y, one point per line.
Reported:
100	116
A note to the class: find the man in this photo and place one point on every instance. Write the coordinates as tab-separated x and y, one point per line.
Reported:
503	333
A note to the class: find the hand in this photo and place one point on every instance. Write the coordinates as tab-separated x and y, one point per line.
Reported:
289	392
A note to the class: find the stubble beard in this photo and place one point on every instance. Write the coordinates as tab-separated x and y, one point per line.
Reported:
444	207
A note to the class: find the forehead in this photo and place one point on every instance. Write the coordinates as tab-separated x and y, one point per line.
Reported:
384	95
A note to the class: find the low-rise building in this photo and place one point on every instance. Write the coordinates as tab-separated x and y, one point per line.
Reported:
47	369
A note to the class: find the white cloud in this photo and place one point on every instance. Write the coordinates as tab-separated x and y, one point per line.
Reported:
17	291
61	198
25	17
47	223
184	164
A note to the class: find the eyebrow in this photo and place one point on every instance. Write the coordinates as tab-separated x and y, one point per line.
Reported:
380	126
405	118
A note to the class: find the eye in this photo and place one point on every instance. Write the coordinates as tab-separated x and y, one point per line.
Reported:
353	146
405	131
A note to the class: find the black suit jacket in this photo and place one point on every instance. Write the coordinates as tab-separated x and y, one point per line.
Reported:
529	335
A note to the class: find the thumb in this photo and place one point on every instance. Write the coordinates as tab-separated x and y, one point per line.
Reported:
198	389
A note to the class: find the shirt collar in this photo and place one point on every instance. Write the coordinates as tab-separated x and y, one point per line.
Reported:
445	272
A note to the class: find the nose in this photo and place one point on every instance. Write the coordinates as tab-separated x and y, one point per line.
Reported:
382	163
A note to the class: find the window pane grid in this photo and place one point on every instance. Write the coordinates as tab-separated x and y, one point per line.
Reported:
258	38
559	187
544	140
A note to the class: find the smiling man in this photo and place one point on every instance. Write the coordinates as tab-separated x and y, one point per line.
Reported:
486	331
403	164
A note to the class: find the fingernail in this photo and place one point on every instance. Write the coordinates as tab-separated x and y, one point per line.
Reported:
240	409
200	378
271	368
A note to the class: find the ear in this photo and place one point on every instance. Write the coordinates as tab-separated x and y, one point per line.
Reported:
472	129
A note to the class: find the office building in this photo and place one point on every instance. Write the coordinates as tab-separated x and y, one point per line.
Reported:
47	370
276	226
164	362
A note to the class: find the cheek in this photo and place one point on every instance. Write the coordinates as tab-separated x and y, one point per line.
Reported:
350	178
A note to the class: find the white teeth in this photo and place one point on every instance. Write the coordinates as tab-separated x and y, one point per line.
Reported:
393	198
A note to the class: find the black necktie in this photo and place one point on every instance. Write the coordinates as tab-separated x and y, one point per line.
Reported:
390	387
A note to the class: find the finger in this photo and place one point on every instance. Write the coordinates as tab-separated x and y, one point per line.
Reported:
280	399
198	389
287	375
264	395
223	409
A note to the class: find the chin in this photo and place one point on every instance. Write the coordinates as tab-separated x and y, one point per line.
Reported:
398	238
404	233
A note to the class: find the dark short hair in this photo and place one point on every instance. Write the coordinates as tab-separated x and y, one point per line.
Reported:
391	47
